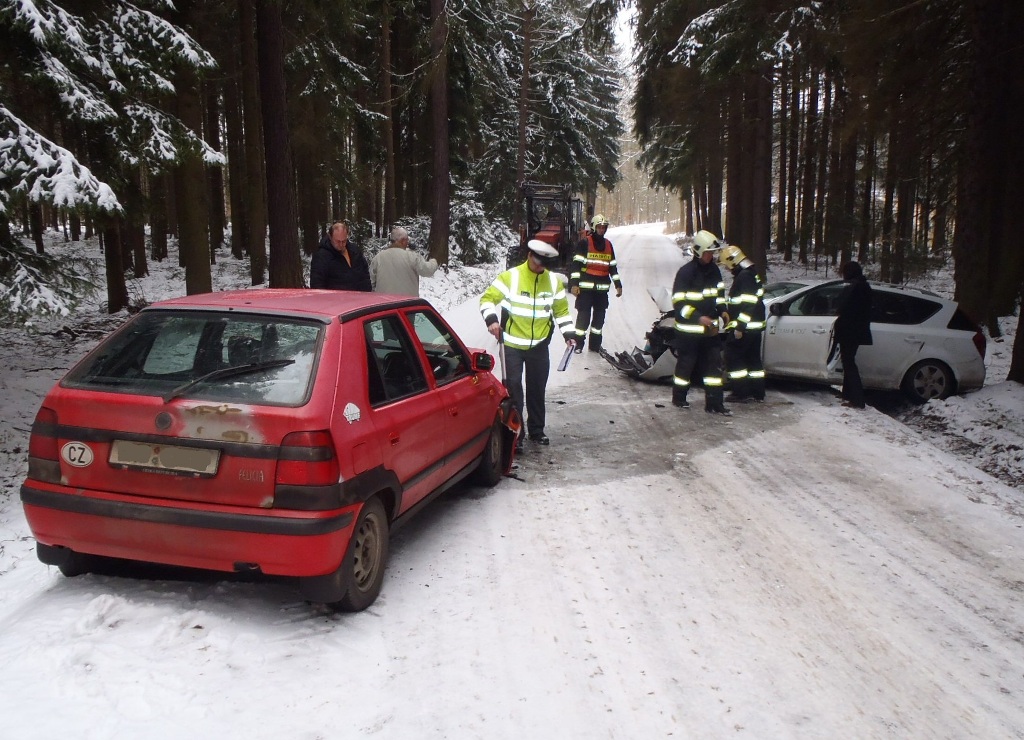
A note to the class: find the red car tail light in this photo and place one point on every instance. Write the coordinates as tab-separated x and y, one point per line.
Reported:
307	459
979	343
43	450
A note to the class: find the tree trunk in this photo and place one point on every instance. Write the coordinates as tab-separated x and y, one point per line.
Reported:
441	209
285	260
810	158
214	173
311	183
848	183
888	209
761	195
822	174
387	124
989	263
362	166
255	244
35	220
794	153
133	228
7	241
833	200
905	200
158	217
529	12
235	134
785	73
737	166
189	193
117	291
867	211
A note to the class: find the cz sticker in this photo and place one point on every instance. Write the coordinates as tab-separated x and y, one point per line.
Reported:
77	454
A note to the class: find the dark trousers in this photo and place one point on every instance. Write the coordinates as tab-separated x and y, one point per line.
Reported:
537	363
743	365
853	389
698	353
590	303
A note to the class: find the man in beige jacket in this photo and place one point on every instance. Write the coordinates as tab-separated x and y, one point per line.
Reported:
397	269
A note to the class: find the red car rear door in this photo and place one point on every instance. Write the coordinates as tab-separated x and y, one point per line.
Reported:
406	410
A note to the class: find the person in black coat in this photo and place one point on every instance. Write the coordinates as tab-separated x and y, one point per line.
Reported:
338	264
852	329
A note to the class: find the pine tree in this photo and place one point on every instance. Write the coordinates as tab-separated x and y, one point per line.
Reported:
107	68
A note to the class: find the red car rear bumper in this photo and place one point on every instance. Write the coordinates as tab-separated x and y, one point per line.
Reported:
277	542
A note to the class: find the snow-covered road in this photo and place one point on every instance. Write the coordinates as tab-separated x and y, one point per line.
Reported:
794	571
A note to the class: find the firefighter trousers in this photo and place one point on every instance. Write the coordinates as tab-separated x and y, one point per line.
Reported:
744	371
591	307
698	355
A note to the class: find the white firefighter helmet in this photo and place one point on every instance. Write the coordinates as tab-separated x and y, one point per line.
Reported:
704	241
599	220
731	257
542	249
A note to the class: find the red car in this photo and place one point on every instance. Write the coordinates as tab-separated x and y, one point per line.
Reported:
282	432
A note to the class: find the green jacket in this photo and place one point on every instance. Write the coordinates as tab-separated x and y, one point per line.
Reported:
527	305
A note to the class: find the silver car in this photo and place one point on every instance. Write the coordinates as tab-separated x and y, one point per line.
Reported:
924	345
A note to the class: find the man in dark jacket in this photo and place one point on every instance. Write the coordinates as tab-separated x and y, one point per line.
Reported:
338	264
698	298
852	329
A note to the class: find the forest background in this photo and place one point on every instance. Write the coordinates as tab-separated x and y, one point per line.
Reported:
195	129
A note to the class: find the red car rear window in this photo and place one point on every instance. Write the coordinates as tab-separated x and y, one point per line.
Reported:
232	357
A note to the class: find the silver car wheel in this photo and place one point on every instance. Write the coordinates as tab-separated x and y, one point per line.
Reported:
928	380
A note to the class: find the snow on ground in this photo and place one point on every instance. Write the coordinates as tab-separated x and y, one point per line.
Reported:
798	570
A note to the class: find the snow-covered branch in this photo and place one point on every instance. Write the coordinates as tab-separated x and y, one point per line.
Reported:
44	171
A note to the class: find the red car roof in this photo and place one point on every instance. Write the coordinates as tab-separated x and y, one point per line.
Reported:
311	302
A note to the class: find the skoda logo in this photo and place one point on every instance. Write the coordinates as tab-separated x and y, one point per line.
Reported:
163	421
77	454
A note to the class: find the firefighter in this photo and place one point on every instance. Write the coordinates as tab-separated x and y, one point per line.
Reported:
594	271
698	299
520	309
744	371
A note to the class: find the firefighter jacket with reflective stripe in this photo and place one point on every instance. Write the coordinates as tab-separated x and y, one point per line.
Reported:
746	304
527	305
594	266
697	291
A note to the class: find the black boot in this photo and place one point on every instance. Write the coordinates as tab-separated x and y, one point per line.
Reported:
679	398
713	403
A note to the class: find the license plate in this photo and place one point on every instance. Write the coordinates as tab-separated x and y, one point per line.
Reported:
164	458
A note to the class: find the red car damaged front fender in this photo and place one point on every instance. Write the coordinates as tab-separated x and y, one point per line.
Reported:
513	424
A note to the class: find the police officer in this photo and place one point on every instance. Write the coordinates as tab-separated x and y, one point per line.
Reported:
520	309
744	370
594	272
698	299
